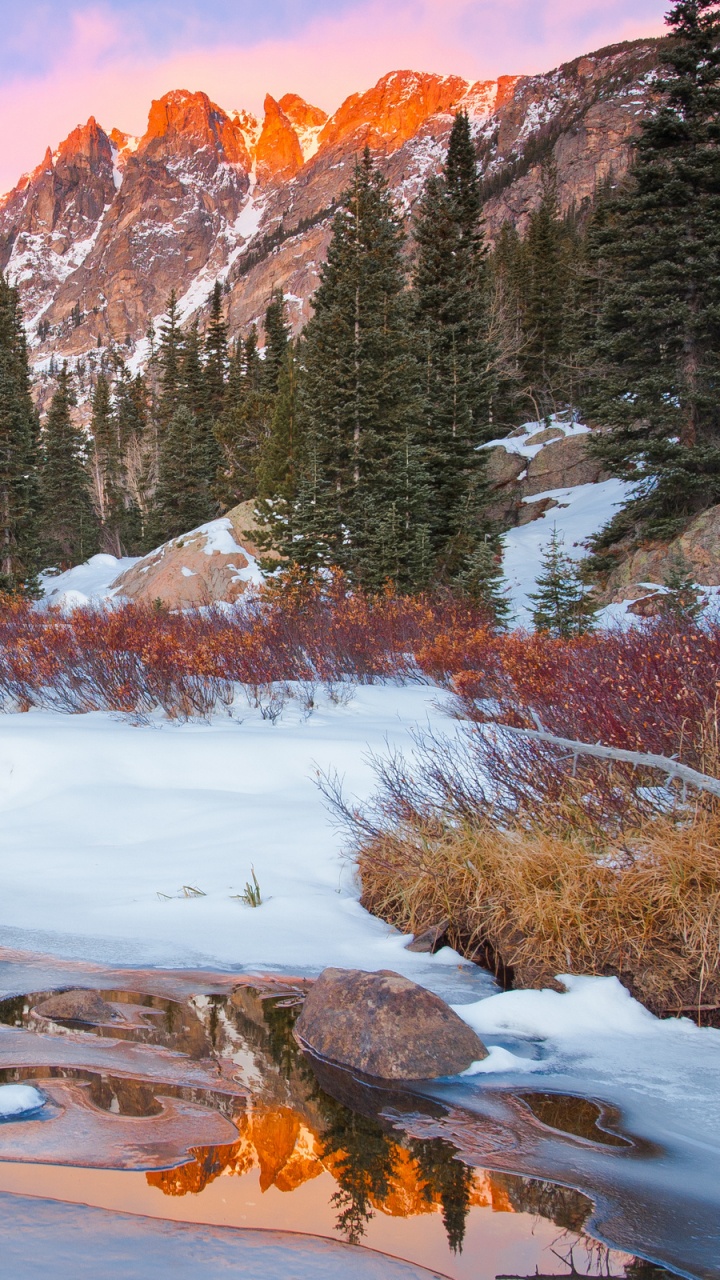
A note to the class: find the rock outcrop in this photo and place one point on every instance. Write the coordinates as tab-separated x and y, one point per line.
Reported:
535	459
385	1026
635	575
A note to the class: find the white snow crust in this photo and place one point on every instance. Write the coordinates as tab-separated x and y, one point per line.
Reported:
17	1099
581	512
104	822
88	583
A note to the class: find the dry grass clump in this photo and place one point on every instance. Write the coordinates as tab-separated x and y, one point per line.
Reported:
546	902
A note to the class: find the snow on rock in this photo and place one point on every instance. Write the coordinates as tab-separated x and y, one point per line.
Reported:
18	1099
202	567
528	439
88	583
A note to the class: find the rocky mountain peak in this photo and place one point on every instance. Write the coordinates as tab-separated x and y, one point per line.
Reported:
301	113
278	155
87	146
392	111
182	124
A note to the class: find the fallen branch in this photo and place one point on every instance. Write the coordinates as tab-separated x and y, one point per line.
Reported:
673	768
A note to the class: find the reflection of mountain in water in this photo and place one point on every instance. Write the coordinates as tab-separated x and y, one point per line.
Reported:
191	1088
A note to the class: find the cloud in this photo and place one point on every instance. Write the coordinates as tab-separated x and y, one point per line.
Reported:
112	68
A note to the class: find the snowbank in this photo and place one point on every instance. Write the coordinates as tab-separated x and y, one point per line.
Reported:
580	513
88	583
18	1099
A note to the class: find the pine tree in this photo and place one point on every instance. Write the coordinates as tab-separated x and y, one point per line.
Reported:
362	501
280	452
682	598
544	297
482	580
68	520
561	605
169	358
106	468
216	356
243	427
138	449
18	453
656	248
451	301
277	337
183	498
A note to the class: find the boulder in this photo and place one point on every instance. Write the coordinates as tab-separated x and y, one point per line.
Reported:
78	1006
530	511
562	464
503	468
385	1026
198	568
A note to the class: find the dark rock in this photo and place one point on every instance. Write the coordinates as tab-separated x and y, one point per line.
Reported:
428	940
78	1006
385	1026
503	468
562	465
530	511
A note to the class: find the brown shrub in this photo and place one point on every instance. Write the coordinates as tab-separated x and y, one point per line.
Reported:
547	901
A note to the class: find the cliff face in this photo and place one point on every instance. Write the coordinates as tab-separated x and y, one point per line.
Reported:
97	236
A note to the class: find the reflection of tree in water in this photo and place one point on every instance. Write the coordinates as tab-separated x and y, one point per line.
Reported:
562	1205
362	1163
448	1180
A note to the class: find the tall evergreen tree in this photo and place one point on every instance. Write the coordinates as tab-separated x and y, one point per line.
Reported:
545	289
18	453
183	498
216	356
280	453
106	468
169	357
277	337
69	522
243	426
451	303
656	247
362	500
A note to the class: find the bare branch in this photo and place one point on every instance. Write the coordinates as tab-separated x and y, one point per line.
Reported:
673	768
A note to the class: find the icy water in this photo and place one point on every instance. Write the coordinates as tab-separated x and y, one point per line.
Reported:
183	1133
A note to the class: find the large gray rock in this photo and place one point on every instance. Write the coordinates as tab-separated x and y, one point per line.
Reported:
78	1006
385	1026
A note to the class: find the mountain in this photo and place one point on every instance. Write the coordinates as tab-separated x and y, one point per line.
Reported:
97	235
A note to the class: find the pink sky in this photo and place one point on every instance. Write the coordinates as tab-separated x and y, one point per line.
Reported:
106	69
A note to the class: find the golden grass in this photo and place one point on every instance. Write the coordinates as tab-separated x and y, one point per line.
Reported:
548	901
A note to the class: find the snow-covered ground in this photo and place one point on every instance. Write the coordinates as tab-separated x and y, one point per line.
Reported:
581	512
104	824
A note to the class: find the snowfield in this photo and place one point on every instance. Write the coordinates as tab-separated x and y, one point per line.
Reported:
107	829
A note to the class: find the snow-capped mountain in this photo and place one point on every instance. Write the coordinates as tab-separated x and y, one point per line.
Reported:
99	233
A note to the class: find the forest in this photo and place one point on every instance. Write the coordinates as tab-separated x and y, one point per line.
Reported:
359	440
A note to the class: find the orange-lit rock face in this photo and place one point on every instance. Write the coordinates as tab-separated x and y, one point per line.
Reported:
183	123
110	224
301	113
279	154
392	112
